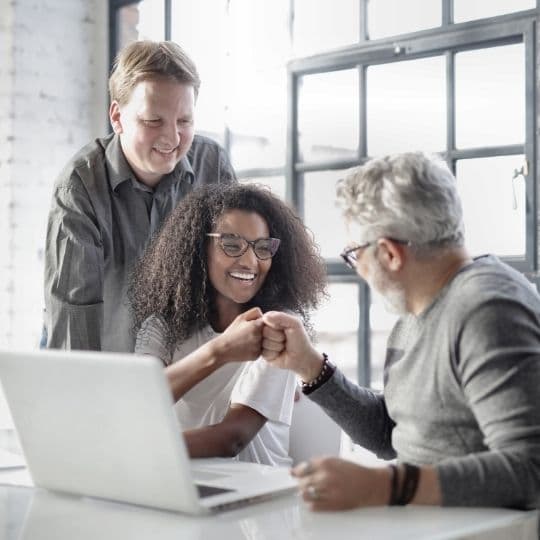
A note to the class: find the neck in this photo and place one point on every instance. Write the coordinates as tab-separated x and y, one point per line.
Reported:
428	277
225	313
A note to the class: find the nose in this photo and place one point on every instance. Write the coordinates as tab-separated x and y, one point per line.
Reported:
249	258
171	134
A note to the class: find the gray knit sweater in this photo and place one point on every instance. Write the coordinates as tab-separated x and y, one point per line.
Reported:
461	392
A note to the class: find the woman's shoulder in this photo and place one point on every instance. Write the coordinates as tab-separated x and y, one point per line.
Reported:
152	338
156	323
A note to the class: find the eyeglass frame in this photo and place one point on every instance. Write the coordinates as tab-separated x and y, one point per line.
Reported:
350	259
249	243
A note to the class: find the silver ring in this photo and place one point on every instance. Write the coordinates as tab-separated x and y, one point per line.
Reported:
312	492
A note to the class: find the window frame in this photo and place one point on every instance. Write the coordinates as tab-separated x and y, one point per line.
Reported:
447	39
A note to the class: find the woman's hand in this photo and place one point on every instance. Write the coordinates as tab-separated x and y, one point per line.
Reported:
335	484
287	346
242	340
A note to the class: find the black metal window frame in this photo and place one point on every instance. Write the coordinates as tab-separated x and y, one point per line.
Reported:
447	40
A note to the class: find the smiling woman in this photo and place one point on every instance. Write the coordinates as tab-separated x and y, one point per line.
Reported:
223	258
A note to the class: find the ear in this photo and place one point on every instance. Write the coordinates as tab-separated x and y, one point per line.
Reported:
115	117
391	254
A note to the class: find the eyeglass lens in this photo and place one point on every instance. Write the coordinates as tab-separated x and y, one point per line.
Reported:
234	246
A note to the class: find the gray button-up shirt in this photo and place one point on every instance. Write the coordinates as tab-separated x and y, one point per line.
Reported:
99	223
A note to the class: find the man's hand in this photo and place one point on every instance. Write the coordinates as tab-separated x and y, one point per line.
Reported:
286	345
335	484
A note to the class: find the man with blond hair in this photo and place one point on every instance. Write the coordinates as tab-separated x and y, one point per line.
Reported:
115	193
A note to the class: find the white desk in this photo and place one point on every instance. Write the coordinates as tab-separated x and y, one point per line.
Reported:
31	514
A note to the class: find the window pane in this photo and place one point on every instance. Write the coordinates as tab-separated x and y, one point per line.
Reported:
257	83
142	20
328	116
406	106
493	224
188	18
465	10
324	27
336	326
490	96
321	214
276	184
393	17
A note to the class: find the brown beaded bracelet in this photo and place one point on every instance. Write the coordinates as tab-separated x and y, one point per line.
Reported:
327	370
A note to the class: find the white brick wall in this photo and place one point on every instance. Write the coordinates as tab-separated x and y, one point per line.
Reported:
53	80
6	151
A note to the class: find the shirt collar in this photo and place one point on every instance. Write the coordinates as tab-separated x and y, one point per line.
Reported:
120	171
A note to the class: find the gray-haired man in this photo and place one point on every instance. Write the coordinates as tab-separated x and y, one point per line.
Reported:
461	406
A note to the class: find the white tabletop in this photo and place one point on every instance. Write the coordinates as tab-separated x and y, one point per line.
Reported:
30	514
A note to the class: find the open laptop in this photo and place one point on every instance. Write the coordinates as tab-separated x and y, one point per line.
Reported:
103	425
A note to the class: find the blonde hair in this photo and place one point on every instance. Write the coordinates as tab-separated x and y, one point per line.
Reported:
143	60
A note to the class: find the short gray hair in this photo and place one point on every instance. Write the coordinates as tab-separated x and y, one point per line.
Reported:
411	196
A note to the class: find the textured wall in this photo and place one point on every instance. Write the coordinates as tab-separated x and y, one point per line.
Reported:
53	100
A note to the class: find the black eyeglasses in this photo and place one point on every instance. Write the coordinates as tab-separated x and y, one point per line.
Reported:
350	255
234	245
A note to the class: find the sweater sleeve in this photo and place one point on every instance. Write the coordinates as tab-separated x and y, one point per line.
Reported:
360	412
497	364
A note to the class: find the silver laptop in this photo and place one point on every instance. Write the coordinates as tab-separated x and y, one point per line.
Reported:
103	425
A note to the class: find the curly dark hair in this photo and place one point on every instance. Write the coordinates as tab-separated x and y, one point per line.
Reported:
171	278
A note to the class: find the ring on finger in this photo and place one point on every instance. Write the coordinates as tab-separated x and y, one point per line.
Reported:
313	492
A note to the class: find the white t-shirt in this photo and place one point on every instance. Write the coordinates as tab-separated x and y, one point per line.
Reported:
264	388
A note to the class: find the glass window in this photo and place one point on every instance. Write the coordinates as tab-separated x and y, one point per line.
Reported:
393	17
328	116
465	10
322	27
406	106
494	224
142	20
321	213
336	327
200	28
257	82
276	184
490	96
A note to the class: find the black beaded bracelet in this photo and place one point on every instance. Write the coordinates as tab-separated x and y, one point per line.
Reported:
327	370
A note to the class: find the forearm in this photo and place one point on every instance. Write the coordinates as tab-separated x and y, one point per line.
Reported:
491	478
192	369
427	492
360	412
229	437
